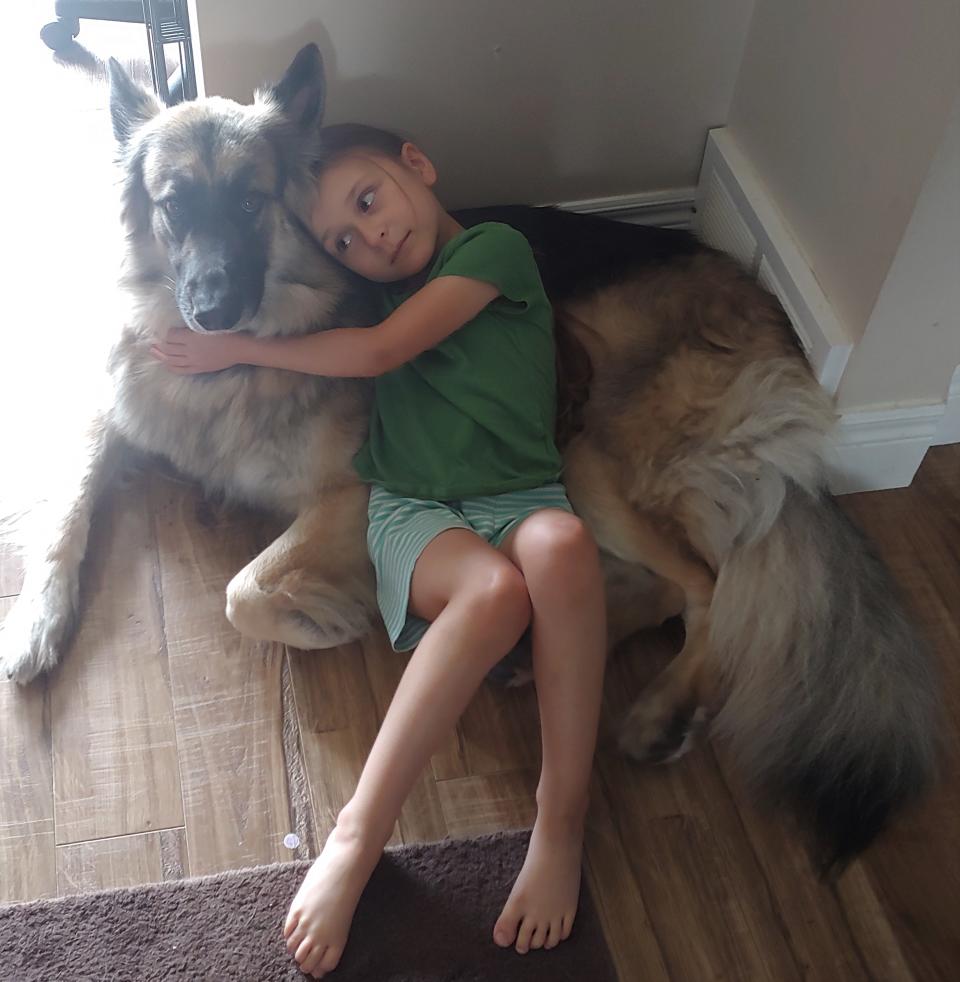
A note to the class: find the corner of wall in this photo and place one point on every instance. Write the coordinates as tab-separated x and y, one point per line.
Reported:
873	449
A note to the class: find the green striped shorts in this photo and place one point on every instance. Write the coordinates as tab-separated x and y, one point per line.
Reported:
401	528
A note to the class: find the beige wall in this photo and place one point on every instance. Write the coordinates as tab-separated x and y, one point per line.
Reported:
840	106
519	100
912	342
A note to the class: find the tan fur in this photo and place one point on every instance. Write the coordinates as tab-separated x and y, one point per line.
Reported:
665	350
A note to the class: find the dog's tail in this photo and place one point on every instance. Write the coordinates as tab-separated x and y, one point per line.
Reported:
831	702
71	54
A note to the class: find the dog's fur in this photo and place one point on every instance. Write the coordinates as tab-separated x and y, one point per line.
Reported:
692	432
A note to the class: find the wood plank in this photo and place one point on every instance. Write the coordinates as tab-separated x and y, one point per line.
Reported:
915	868
174	861
623	914
104	864
227	692
338	724
501	730
489	803
706	896
304	841
867	920
421	818
27	857
114	744
812	917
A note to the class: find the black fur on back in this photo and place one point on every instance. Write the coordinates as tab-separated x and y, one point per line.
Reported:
581	253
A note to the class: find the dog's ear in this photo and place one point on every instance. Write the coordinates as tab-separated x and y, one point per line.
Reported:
130	105
134	200
301	91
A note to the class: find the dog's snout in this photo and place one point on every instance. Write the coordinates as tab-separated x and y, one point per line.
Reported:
209	292
212	318
208	287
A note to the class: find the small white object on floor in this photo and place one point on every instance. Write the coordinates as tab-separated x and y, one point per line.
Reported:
291	840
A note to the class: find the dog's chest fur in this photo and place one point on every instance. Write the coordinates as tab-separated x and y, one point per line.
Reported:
267	437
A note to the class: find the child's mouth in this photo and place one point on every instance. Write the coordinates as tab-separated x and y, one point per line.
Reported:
400	245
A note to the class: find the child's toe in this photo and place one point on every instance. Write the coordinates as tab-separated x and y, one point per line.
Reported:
553	935
539	936
505	930
331	958
312	965
303	951
294	940
523	937
290	925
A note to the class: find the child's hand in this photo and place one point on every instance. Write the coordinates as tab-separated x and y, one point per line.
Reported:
188	353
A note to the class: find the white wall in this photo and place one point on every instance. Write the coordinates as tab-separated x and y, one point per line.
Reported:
531	101
911	345
840	105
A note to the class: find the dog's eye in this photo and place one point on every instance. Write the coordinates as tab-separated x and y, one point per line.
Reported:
173	208
252	203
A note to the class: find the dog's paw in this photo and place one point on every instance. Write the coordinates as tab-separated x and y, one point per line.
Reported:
341	619
35	631
319	616
655	732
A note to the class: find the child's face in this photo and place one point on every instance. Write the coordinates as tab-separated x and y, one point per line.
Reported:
377	215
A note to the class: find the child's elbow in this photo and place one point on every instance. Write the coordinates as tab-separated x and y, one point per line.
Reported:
382	358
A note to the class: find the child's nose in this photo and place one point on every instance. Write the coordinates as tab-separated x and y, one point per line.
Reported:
375	236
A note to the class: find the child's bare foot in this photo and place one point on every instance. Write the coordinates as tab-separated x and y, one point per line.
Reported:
543	902
319	920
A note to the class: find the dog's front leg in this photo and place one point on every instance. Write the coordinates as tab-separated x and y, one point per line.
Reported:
36	631
314	586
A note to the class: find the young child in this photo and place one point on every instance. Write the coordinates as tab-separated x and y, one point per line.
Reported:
471	536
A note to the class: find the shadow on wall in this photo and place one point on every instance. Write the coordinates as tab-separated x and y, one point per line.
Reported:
472	171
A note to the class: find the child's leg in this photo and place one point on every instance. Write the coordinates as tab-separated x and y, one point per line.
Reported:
559	562
479	606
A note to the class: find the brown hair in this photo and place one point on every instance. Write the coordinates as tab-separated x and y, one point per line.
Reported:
340	138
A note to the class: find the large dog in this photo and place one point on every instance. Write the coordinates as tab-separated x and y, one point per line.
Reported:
692	433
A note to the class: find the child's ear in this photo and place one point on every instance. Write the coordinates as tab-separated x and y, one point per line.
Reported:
414	158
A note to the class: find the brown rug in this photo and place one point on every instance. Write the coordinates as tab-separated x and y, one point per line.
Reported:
426	916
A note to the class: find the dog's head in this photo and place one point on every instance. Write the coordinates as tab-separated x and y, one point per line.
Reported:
212	189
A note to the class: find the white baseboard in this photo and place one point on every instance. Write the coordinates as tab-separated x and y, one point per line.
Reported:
949	429
878	449
673	208
736	214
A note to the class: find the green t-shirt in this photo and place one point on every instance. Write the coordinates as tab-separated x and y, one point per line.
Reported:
475	414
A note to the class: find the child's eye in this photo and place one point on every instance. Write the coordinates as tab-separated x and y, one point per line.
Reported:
343	242
366	200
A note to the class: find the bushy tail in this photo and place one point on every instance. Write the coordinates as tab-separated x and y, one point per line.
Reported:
832	705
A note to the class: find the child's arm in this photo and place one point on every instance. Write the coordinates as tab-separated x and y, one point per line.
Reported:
421	322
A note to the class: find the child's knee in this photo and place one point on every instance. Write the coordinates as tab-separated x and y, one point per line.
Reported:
563	546
501	602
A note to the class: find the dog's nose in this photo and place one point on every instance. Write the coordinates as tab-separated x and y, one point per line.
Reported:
212	318
211	302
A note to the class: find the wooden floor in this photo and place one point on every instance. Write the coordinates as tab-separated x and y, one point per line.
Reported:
165	746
